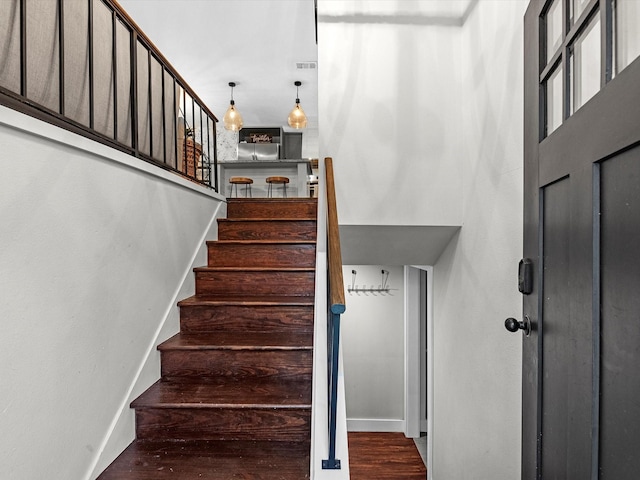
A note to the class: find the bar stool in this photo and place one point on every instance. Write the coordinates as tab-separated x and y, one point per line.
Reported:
277	180
312	185
235	181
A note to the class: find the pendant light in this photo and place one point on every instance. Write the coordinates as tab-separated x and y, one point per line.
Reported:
297	118
232	119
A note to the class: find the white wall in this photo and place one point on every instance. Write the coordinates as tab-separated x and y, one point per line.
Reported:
389	110
456	161
96	249
477	365
373	350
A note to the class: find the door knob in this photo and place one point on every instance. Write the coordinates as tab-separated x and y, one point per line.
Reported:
514	325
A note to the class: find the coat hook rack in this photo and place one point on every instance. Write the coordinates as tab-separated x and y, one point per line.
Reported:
382	288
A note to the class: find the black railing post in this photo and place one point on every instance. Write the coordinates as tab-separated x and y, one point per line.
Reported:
61	57
114	67
23	48
215	157
332	463
133	45
91	79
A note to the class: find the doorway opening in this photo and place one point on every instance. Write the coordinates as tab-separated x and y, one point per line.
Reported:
423	352
418	359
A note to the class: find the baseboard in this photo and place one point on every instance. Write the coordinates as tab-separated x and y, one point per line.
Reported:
374	425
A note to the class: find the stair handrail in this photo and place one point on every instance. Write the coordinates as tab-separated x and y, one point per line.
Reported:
337	306
336	297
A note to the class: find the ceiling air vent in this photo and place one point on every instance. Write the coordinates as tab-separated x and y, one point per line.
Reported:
306	65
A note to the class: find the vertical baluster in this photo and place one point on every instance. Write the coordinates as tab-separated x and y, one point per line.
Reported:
23	47
61	56
149	102
215	155
114	66
91	86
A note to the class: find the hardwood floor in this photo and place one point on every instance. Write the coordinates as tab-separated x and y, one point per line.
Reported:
382	456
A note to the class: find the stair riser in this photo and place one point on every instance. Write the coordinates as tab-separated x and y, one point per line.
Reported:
271	209
292	424
254	319
267	230
236	364
255	283
261	255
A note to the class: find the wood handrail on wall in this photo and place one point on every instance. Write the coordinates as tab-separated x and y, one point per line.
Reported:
336	299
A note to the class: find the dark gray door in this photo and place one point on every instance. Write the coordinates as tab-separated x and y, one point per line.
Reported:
581	375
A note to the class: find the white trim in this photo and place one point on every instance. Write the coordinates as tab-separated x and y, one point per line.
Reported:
375	425
430	343
430	382
412	351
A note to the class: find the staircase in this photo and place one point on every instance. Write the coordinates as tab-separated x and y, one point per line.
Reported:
234	398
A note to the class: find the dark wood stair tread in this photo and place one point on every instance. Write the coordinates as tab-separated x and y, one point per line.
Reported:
298	200
211	460
227	394
260	219
254	269
270	208
239	341
261	242
246	300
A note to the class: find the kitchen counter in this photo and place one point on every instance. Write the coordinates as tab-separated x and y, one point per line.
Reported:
297	170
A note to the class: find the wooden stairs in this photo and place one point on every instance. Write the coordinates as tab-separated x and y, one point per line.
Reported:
234	398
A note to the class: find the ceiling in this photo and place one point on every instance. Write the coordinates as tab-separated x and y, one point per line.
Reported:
254	43
257	44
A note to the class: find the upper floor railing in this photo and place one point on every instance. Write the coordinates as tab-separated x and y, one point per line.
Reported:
84	65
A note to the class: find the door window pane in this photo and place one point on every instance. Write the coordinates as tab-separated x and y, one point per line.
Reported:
577	7
554	28
553	87
627	32
585	65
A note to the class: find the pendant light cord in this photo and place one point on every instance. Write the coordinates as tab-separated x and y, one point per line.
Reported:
232	84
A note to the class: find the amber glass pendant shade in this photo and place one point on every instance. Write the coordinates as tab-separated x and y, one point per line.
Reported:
297	117
232	119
